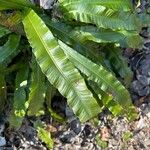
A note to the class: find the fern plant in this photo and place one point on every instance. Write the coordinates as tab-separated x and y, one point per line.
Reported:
77	52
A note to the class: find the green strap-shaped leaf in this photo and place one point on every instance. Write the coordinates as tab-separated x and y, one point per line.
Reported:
43	134
14	4
108	100
64	33
124	5
99	75
45	137
3	31
10	49
20	97
67	34
83	34
37	90
58	69
101	16
91	33
118	63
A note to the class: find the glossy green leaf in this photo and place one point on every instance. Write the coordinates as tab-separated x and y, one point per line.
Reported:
58	69
108	101
90	33
67	34
118	63
45	137
101	16
14	4
99	75
3	31
64	32
83	34
37	90
9	49
20	97
124	5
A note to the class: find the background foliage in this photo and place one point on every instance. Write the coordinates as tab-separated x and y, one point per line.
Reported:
74	48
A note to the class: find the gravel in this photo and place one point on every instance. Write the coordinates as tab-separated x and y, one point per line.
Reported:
112	131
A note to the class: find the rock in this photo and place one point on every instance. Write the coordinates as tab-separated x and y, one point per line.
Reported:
28	131
87	130
141	123
144	33
145	91
74	122
105	135
135	98
17	141
136	86
46	4
144	66
2	141
75	126
134	61
66	137
147	45
146	110
143	80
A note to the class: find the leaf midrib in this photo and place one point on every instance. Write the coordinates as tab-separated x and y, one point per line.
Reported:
70	84
91	70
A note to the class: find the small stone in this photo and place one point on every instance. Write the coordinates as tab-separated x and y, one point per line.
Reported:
2	141
17	141
75	126
137	86
87	130
67	137
105	134
145	91
147	45
146	110
148	115
138	10
135	98
143	80
148	58
144	66
141	123
46	4
131	147
144	34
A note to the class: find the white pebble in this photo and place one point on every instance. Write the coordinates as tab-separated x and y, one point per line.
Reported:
2	141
